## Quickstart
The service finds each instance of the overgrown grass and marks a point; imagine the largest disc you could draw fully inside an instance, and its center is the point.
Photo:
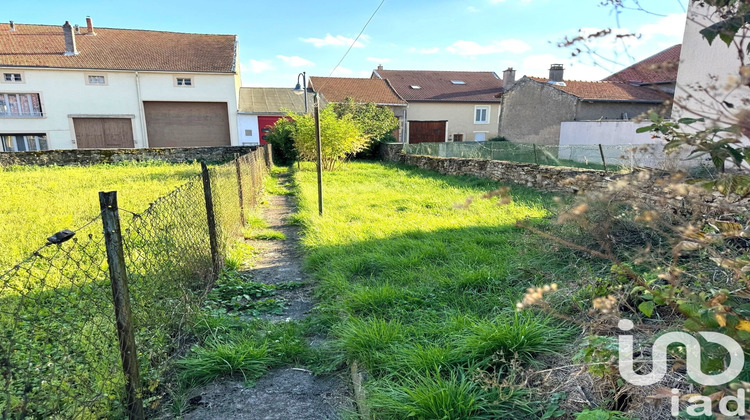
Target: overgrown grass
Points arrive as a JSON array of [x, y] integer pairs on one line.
[[413, 282], [36, 202]]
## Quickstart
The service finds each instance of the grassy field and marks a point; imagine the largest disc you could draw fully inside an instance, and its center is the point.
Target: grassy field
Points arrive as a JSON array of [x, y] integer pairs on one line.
[[420, 290], [36, 202]]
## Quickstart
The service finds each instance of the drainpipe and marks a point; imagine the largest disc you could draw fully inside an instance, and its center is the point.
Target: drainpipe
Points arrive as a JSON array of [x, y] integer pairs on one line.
[[142, 112]]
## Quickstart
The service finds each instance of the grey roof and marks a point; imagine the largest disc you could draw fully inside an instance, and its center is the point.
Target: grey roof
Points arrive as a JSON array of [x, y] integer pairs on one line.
[[273, 101]]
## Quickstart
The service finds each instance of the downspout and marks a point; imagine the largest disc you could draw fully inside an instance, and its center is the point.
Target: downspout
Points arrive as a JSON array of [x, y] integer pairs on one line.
[[141, 110]]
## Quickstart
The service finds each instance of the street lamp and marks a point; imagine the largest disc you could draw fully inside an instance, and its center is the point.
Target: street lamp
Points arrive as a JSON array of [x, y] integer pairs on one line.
[[299, 90]]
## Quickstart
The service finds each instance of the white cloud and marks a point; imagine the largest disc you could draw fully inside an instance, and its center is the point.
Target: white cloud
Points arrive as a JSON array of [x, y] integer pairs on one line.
[[257, 66], [342, 72], [672, 26], [472, 48], [423, 50], [295, 61], [338, 40], [378, 60], [538, 66], [472, 9]]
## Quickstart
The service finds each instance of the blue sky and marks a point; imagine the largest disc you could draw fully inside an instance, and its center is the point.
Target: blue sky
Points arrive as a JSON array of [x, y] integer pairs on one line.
[[280, 39]]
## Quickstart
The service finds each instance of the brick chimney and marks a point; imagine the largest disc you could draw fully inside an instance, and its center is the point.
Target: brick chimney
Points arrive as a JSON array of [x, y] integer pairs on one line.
[[380, 67], [12, 26], [509, 78], [556, 73], [90, 25], [70, 39]]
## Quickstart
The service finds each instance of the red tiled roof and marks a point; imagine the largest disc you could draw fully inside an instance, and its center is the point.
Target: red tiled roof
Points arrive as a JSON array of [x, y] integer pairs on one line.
[[659, 68], [436, 86], [338, 89], [117, 49], [608, 91]]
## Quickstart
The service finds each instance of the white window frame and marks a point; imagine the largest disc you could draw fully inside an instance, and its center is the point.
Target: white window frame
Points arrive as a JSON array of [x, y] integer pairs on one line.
[[88, 77], [183, 85], [486, 116], [27, 137], [485, 133], [5, 95], [14, 82]]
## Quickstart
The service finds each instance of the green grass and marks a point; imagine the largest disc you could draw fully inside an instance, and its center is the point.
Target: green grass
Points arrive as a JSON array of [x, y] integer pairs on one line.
[[36, 202], [263, 235], [411, 282]]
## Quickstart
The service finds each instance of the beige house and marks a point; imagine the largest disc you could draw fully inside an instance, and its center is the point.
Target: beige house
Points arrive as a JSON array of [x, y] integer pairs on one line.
[[66, 87], [447, 105]]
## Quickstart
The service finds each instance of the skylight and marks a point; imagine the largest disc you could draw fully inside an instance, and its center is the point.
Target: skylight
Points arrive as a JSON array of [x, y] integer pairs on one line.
[[415, 87], [458, 82]]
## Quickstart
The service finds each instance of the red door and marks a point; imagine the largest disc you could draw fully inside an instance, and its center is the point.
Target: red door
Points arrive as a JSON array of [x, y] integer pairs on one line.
[[265, 123]]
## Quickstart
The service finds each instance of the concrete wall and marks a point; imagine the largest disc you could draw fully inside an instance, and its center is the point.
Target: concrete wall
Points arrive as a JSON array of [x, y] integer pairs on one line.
[[98, 156], [460, 117], [700, 62], [593, 111], [532, 112], [64, 95]]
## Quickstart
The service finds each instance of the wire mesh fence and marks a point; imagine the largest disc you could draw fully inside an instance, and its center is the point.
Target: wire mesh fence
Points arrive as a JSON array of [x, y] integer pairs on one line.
[[61, 352], [594, 156]]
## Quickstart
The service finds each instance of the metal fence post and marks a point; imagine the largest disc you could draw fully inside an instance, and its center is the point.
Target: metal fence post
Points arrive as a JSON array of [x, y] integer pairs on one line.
[[239, 187], [604, 162], [536, 159], [123, 316], [213, 236]]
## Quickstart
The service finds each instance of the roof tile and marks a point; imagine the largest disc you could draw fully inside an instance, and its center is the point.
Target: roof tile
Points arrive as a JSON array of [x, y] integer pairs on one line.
[[338, 89], [659, 68], [436, 86], [275, 101], [608, 91]]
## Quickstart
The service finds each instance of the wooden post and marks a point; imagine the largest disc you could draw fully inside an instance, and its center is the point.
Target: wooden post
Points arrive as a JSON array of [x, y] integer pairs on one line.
[[536, 159], [604, 162], [253, 178], [123, 317], [213, 236], [239, 188]]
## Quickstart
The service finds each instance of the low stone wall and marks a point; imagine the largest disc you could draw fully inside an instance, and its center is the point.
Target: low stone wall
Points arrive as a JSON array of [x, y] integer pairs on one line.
[[389, 152], [98, 156]]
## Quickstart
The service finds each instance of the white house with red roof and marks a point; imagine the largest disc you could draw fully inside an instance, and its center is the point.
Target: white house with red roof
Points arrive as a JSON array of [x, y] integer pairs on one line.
[[70, 86], [447, 105]]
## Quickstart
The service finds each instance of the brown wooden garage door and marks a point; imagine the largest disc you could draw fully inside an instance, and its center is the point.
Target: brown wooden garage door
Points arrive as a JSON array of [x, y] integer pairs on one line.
[[426, 131], [187, 124], [103, 133]]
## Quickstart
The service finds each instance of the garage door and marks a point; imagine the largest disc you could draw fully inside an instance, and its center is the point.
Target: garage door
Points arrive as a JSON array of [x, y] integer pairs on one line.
[[103, 133], [426, 131], [187, 124]]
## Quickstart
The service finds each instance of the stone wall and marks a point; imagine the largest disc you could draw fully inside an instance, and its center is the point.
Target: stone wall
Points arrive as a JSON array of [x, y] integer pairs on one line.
[[389, 152], [99, 156]]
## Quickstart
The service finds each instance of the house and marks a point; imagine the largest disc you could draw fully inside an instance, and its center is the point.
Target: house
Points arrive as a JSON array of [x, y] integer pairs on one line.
[[66, 87], [534, 108], [447, 105], [658, 71], [260, 108], [377, 91]]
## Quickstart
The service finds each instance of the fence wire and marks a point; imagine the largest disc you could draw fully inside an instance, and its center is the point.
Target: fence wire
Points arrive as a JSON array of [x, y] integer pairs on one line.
[[615, 157], [59, 350]]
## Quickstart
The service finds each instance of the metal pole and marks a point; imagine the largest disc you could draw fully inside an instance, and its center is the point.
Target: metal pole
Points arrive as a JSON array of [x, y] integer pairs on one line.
[[604, 162], [121, 297], [304, 86], [536, 159], [213, 236], [319, 147], [239, 188]]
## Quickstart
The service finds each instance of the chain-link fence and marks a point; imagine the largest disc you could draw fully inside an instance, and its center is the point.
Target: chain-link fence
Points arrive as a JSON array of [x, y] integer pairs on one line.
[[73, 344], [610, 157]]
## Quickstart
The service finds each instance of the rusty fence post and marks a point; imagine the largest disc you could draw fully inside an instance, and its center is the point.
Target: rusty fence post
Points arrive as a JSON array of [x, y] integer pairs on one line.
[[604, 162], [121, 298], [213, 236], [238, 167]]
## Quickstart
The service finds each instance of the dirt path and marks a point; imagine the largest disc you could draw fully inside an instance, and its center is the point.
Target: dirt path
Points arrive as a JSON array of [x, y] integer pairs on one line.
[[287, 393]]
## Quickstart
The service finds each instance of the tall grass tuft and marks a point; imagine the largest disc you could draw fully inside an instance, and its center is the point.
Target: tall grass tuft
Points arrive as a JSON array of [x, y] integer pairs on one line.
[[224, 358]]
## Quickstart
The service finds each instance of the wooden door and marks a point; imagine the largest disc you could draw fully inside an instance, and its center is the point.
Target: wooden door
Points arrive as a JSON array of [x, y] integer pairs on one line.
[[427, 131], [187, 124], [103, 133]]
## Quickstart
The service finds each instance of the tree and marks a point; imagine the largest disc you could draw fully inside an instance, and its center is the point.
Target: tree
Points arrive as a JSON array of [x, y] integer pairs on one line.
[[340, 137], [281, 140], [374, 121]]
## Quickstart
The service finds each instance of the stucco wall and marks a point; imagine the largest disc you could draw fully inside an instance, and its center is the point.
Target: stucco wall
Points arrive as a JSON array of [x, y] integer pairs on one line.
[[698, 63], [64, 94], [460, 117], [248, 122], [610, 110], [532, 113]]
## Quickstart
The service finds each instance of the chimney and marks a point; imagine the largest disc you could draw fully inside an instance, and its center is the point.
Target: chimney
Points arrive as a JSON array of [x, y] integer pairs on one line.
[[90, 25], [12, 26], [556, 73], [78, 29], [509, 78], [70, 39], [380, 67]]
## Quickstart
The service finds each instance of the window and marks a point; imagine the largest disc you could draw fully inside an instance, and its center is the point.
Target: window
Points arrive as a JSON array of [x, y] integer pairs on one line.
[[184, 81], [480, 136], [96, 79], [20, 105], [458, 137], [248, 133], [415, 87], [13, 77], [481, 115], [458, 82], [23, 142]]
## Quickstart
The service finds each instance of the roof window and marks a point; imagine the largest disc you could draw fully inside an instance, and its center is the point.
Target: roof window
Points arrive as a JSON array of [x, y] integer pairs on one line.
[[415, 87], [458, 82]]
